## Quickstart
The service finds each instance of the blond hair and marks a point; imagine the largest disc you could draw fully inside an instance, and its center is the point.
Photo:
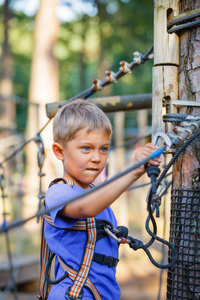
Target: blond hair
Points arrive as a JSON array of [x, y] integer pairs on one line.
[[76, 115]]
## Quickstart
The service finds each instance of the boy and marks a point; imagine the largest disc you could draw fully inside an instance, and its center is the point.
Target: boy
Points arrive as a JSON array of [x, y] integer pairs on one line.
[[82, 135]]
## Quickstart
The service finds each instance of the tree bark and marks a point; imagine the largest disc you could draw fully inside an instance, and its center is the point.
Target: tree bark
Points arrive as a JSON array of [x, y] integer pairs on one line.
[[183, 277]]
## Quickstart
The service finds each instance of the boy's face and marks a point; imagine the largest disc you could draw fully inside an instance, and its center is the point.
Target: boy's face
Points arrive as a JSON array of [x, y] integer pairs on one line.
[[85, 156]]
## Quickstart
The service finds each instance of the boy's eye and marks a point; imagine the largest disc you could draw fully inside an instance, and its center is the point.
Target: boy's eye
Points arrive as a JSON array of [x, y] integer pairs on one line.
[[104, 149], [86, 148]]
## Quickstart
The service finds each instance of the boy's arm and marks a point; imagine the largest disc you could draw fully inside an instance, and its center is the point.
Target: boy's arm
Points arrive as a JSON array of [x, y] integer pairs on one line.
[[94, 203]]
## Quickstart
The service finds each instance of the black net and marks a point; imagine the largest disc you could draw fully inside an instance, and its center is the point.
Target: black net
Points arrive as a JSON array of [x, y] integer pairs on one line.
[[184, 277]]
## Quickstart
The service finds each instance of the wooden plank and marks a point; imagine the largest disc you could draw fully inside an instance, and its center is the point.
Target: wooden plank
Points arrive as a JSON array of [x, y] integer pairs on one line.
[[26, 269], [166, 46], [109, 104]]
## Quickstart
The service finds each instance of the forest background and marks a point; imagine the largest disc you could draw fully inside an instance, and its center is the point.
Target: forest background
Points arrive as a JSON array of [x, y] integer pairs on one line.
[[52, 52], [101, 34]]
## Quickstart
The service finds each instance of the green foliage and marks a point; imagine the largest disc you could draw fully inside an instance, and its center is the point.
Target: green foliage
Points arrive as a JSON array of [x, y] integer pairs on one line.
[[86, 48]]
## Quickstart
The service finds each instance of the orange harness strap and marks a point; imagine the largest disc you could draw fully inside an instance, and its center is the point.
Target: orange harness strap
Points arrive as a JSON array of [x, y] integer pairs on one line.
[[80, 278]]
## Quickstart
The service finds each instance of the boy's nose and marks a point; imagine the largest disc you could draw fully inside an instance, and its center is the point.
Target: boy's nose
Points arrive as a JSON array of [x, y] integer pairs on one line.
[[95, 157]]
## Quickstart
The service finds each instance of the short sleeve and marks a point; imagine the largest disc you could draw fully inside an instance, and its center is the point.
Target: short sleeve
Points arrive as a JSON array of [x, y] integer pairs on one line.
[[58, 195]]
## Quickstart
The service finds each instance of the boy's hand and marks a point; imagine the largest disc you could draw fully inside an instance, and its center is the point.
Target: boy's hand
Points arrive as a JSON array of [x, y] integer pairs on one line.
[[141, 153]]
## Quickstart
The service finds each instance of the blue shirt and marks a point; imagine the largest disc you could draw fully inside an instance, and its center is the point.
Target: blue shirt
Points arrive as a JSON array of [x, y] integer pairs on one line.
[[70, 245]]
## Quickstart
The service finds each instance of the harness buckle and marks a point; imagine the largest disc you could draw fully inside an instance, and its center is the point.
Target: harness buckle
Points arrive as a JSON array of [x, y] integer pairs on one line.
[[110, 261], [68, 297]]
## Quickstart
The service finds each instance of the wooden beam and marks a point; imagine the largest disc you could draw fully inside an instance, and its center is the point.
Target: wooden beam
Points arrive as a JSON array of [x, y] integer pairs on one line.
[[166, 61], [110, 104], [27, 268], [166, 45]]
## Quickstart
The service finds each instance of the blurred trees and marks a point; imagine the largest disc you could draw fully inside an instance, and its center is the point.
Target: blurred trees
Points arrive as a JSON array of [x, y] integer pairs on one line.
[[7, 108], [44, 87], [100, 36]]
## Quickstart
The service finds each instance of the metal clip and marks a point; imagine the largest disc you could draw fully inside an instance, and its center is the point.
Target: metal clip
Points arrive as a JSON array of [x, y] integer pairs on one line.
[[125, 67], [180, 130], [138, 58], [188, 124], [175, 139], [165, 137], [111, 76], [112, 235], [96, 84]]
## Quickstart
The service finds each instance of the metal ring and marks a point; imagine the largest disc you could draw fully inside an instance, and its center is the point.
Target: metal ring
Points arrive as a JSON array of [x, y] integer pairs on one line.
[[190, 134], [196, 127], [112, 235]]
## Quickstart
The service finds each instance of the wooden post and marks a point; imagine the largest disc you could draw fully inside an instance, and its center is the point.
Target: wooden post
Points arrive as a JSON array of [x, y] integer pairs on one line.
[[166, 61], [183, 277]]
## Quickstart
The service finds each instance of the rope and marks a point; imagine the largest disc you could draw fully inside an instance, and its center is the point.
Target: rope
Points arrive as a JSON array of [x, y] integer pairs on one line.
[[151, 207], [175, 117], [179, 28], [113, 77], [163, 247], [184, 22], [153, 155]]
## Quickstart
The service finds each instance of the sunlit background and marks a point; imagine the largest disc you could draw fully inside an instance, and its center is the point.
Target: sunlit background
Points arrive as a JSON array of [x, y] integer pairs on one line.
[[51, 50]]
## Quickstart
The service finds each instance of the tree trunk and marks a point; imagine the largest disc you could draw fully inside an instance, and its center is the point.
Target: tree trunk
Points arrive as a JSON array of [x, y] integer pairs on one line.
[[104, 63], [184, 276], [44, 87], [7, 108]]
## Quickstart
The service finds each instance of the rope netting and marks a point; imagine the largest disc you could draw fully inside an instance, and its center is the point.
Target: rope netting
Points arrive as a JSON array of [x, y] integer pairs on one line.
[[184, 276]]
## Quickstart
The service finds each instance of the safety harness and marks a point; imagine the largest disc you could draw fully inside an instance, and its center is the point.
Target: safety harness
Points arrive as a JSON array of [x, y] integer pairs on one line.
[[95, 229]]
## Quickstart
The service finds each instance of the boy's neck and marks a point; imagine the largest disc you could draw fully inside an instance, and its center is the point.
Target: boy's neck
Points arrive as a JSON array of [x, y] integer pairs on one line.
[[77, 182]]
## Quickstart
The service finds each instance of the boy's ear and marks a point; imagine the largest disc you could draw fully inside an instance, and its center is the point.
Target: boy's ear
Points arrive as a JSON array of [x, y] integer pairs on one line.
[[58, 150]]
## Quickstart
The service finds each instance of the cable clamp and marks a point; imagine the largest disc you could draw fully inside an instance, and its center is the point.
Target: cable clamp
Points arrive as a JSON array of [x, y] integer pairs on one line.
[[111, 76], [157, 200], [96, 84], [175, 139], [138, 58], [125, 67]]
